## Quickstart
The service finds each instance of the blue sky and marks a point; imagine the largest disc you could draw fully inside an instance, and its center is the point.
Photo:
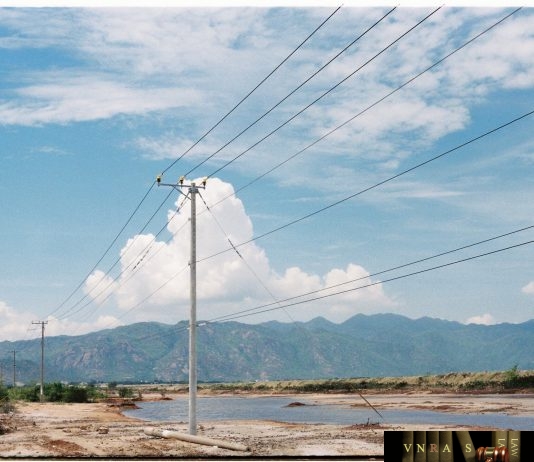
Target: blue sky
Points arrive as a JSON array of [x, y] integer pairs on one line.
[[95, 103]]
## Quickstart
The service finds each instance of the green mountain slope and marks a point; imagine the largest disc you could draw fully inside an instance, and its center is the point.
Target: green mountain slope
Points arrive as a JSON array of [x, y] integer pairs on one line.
[[377, 345]]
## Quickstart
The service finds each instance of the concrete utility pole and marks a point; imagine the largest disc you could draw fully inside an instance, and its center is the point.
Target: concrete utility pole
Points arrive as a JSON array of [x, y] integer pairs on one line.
[[192, 192], [41, 395]]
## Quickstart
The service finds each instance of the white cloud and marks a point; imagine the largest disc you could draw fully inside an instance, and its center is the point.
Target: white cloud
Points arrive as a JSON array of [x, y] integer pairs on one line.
[[64, 99], [528, 289], [420, 190], [99, 286], [228, 282], [17, 325], [171, 146], [14, 324], [139, 61], [146, 59], [67, 327], [485, 319]]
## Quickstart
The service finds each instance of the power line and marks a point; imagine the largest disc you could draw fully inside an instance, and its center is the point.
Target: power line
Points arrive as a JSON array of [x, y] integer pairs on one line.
[[79, 286], [255, 310], [265, 307], [137, 260], [396, 278], [351, 119], [378, 273], [324, 94], [254, 89], [324, 66], [68, 311], [105, 252], [376, 185], [298, 220], [472, 140], [143, 260], [148, 297]]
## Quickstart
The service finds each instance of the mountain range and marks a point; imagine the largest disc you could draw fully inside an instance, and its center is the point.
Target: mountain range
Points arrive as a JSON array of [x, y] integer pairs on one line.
[[363, 346]]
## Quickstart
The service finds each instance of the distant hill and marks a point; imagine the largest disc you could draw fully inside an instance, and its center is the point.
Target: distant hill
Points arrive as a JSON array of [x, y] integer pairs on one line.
[[362, 346]]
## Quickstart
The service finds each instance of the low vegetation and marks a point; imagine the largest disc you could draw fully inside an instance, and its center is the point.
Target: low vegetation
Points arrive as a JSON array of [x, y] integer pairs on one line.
[[52, 392], [511, 380]]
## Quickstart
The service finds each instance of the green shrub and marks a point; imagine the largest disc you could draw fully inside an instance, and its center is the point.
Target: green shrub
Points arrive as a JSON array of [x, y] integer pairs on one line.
[[511, 376], [125, 392], [6, 406], [54, 392], [4, 394], [75, 394], [27, 393]]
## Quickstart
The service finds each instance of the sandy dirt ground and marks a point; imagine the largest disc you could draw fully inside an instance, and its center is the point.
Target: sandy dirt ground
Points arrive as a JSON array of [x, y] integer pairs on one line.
[[101, 430]]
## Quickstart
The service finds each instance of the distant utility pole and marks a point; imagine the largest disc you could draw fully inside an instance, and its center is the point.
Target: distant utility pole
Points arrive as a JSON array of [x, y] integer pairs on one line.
[[41, 395], [192, 191], [14, 368]]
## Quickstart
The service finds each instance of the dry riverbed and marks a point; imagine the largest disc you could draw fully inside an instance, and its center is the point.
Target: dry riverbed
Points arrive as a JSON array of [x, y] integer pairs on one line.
[[101, 430]]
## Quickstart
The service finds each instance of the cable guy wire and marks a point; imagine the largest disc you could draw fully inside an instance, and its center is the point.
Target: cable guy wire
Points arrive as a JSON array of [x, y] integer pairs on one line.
[[251, 270]]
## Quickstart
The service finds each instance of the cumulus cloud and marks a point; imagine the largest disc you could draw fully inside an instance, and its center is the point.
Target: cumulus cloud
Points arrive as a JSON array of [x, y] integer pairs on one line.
[[155, 278], [99, 286], [528, 289], [485, 319]]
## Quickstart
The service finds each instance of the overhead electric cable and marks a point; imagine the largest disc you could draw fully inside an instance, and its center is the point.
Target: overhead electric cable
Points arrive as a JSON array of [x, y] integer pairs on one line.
[[137, 261], [256, 276], [272, 132], [351, 119], [253, 311], [105, 252], [253, 90], [378, 273], [324, 66], [426, 270], [68, 311], [406, 84], [376, 185], [148, 297], [79, 286]]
